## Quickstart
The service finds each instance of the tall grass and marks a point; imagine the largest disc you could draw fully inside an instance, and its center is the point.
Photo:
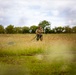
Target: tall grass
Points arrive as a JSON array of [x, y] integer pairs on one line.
[[22, 45], [55, 55]]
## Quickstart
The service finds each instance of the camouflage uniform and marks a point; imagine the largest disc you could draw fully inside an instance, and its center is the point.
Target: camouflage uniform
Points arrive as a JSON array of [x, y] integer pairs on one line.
[[39, 32]]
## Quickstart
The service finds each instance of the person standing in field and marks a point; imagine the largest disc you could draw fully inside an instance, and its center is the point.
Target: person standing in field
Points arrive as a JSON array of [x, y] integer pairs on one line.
[[39, 33]]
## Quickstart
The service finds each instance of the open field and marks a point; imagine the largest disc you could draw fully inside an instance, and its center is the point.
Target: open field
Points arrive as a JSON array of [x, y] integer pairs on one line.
[[55, 55]]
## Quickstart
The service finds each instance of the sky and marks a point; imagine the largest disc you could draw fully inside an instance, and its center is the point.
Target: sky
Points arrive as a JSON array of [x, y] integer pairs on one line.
[[32, 12]]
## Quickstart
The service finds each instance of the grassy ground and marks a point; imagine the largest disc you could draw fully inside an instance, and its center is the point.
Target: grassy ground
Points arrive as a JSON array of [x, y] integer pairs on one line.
[[55, 55]]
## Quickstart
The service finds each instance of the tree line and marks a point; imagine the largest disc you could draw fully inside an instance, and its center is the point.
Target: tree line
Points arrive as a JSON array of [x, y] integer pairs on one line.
[[10, 29]]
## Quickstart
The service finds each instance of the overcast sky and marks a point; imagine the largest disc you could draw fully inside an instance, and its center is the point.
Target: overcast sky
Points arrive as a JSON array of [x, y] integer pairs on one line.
[[31, 12]]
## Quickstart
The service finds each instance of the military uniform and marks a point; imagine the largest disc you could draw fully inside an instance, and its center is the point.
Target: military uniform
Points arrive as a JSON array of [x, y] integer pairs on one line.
[[39, 32]]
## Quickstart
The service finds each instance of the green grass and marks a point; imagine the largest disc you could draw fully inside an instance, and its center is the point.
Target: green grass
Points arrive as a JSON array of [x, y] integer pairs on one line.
[[55, 55]]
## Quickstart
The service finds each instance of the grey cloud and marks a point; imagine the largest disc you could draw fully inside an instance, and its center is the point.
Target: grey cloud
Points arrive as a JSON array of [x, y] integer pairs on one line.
[[70, 16], [15, 11]]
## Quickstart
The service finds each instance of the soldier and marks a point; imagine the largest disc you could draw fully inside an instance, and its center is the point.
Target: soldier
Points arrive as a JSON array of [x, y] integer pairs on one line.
[[39, 32]]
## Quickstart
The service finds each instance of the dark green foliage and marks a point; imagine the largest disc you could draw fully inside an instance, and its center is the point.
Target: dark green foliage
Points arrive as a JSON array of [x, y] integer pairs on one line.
[[47, 30], [67, 29], [44, 23], [58, 29], [1, 29], [18, 30], [25, 29], [33, 28], [9, 29], [74, 29]]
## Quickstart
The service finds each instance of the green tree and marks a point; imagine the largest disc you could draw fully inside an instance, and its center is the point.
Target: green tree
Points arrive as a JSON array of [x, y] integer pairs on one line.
[[58, 29], [1, 29], [9, 29], [33, 28], [25, 29], [74, 29], [44, 23], [47, 30], [67, 29], [17, 29]]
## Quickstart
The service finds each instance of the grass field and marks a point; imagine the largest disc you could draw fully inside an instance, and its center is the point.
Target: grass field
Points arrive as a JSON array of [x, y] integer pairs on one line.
[[55, 55]]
